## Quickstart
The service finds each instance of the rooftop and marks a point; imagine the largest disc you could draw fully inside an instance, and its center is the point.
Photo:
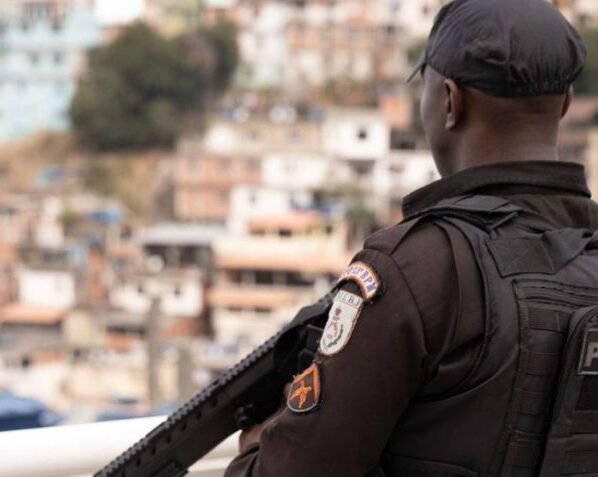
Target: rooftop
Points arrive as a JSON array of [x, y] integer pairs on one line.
[[17, 313]]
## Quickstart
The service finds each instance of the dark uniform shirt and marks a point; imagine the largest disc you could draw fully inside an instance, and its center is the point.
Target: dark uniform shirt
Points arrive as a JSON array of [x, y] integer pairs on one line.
[[420, 338]]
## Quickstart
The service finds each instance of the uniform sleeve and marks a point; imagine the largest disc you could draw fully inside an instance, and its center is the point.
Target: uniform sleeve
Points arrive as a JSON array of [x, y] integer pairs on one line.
[[365, 387]]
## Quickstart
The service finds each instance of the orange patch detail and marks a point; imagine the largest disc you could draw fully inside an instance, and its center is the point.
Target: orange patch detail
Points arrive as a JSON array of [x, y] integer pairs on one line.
[[304, 394]]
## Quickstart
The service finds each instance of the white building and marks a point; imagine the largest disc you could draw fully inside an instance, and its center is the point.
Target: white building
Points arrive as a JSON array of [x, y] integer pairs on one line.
[[180, 293], [356, 135], [248, 202], [47, 288], [117, 12], [296, 171], [358, 141], [262, 43], [408, 171]]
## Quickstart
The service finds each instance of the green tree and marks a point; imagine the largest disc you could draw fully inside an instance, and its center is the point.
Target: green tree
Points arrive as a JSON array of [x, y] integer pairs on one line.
[[215, 48], [587, 84], [136, 92], [222, 38]]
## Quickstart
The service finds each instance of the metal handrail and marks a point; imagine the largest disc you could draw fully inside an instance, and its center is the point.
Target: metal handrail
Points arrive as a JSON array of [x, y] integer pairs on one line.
[[80, 450]]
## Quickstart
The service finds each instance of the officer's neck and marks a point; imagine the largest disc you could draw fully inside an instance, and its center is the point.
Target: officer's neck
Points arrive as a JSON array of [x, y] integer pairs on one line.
[[527, 144]]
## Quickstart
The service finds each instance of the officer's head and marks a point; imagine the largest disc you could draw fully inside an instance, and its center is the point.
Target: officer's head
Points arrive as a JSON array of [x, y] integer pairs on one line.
[[496, 72]]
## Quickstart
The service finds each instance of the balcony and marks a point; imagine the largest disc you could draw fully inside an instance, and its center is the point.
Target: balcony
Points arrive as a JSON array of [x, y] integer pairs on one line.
[[81, 450]]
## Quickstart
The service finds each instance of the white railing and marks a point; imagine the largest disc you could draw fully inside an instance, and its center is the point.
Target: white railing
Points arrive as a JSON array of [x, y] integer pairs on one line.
[[81, 450]]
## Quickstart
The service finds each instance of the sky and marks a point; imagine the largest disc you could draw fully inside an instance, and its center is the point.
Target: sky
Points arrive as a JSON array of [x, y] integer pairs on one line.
[[118, 11]]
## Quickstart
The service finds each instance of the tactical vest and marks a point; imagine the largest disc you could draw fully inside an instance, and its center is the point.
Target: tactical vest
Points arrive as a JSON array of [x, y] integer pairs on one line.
[[529, 407]]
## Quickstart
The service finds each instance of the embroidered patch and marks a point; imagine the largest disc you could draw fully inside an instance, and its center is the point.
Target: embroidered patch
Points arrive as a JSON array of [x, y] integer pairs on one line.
[[364, 276], [588, 360], [304, 394], [341, 322]]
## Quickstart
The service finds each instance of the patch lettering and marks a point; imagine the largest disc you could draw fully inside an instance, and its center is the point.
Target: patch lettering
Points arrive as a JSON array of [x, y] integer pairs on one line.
[[364, 276], [342, 318], [305, 391], [588, 360]]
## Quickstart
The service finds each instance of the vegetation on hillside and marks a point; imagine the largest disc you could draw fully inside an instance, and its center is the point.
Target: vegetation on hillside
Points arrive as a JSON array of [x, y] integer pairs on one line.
[[140, 89], [587, 84]]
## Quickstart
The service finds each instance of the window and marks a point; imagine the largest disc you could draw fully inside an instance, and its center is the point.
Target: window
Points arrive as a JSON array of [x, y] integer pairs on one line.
[[34, 58], [140, 289], [263, 277], [177, 291], [362, 169], [58, 57], [253, 165], [362, 134]]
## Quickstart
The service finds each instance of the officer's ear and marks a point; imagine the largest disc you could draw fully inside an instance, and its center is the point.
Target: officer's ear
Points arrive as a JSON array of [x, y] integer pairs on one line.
[[453, 104], [567, 102]]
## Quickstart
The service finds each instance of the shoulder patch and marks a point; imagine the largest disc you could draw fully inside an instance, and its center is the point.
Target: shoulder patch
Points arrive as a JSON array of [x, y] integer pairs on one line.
[[305, 391], [365, 276], [342, 318]]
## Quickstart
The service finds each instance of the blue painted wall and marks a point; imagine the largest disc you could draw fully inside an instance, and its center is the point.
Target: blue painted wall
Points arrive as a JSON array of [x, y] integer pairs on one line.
[[42, 52]]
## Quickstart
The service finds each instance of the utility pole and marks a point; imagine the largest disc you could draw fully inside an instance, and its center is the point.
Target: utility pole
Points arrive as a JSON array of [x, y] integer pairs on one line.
[[186, 389], [153, 352]]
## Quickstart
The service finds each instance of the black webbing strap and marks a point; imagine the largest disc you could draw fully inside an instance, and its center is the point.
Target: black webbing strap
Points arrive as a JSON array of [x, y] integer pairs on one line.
[[534, 404], [548, 320], [542, 364], [526, 455]]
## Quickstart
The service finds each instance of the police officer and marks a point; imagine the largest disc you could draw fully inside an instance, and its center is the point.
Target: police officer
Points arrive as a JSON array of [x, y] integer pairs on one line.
[[453, 346]]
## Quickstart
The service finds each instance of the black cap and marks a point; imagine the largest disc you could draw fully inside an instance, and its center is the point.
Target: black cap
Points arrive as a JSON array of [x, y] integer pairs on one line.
[[505, 48]]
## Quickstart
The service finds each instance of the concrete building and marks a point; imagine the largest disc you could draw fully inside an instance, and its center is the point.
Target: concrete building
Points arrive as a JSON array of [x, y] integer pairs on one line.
[[264, 51], [262, 278], [208, 169], [47, 288], [358, 141], [248, 202], [180, 293], [43, 45], [347, 40], [116, 12], [178, 245]]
